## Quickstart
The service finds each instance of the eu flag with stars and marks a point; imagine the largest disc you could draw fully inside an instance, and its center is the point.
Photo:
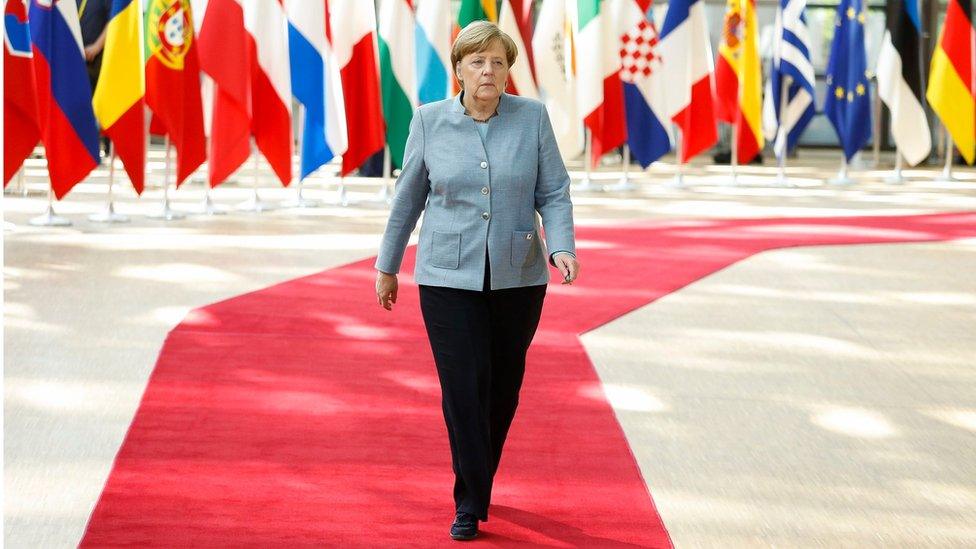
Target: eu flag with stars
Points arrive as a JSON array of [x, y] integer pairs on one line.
[[848, 104]]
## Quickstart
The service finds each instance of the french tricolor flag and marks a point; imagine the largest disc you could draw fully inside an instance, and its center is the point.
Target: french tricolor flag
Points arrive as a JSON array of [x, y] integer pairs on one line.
[[316, 84], [687, 57], [64, 99]]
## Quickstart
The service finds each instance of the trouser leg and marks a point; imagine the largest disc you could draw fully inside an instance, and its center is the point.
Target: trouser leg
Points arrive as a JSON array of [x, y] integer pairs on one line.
[[515, 316], [458, 327]]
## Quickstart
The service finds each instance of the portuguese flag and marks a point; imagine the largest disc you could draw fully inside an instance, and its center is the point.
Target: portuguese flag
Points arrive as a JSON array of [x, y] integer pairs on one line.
[[173, 82]]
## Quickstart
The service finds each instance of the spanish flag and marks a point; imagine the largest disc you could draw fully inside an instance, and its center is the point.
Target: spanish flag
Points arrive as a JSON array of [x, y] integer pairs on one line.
[[951, 88], [119, 96], [738, 78]]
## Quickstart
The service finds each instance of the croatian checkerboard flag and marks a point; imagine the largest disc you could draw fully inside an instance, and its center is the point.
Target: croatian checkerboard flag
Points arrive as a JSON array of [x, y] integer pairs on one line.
[[648, 128]]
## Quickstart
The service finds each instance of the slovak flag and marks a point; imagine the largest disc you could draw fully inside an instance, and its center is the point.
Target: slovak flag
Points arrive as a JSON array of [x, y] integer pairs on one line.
[[688, 67], [648, 127], [20, 131], [315, 83], [64, 99]]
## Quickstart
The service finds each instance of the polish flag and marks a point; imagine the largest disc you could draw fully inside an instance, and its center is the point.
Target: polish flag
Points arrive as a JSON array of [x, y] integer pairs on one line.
[[224, 57], [355, 46], [267, 26]]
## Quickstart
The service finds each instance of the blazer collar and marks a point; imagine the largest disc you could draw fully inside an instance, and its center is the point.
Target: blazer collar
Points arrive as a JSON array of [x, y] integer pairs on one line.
[[504, 103]]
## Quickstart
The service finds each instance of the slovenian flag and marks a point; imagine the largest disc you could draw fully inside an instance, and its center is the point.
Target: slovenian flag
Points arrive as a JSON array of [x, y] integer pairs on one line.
[[119, 99], [64, 100], [648, 136], [687, 58], [20, 131], [433, 45], [315, 83], [900, 80], [398, 73], [848, 104]]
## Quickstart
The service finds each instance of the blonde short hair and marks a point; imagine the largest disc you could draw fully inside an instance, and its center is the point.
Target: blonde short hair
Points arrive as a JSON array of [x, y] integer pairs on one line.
[[479, 36]]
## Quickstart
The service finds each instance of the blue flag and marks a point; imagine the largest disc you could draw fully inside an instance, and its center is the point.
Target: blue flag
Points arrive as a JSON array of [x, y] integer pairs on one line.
[[848, 104]]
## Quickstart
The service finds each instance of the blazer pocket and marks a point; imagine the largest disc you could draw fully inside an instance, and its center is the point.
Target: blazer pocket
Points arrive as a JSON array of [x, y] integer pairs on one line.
[[445, 250], [525, 248]]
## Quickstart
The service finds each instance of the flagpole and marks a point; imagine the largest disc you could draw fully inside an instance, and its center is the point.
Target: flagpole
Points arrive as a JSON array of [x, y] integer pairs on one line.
[[384, 195], [678, 181], [343, 198], [49, 218], [109, 215], [299, 201], [947, 171], [255, 204], [842, 177], [166, 212], [587, 183], [781, 135], [734, 149], [208, 206], [625, 184], [896, 177]]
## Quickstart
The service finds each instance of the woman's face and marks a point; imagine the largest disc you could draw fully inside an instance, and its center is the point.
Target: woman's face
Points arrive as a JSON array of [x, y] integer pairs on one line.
[[484, 74]]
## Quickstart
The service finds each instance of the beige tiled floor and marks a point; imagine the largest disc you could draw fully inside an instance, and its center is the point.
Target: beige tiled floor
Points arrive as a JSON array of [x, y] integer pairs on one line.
[[806, 397]]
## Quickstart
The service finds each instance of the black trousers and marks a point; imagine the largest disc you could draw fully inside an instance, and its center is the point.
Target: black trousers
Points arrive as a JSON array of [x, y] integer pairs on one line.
[[479, 341]]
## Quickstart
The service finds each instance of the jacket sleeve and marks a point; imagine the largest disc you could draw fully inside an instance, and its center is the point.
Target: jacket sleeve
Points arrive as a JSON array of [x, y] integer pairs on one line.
[[412, 187], [552, 191]]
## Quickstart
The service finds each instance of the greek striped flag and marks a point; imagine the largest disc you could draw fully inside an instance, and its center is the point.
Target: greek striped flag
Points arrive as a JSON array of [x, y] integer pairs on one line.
[[788, 105]]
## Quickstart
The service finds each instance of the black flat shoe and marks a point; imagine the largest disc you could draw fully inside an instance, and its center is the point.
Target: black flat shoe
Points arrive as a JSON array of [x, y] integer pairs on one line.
[[465, 527]]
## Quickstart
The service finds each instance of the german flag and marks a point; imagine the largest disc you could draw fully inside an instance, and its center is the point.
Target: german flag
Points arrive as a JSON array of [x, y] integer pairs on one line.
[[952, 90]]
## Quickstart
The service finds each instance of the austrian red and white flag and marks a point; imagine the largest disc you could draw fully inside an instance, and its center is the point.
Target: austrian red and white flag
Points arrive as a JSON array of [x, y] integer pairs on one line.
[[355, 47], [513, 22], [267, 26], [224, 56]]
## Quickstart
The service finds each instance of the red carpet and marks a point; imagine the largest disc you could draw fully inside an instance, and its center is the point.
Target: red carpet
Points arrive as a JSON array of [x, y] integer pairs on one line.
[[305, 415]]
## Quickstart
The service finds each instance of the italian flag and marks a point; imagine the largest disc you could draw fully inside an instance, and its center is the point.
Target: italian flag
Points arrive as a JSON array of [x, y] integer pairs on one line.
[[601, 93], [398, 81]]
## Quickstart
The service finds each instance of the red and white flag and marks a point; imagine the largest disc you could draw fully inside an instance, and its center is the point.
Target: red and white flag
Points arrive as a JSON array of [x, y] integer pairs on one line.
[[267, 26], [513, 22], [20, 130], [224, 47], [355, 46]]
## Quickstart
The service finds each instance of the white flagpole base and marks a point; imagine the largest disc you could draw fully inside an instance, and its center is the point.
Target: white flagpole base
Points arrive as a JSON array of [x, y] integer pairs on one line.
[[625, 184], [895, 178], [167, 213], [50, 219], [677, 182], [842, 178], [343, 196], [299, 201], [109, 215], [255, 204], [208, 206], [587, 184], [946, 176]]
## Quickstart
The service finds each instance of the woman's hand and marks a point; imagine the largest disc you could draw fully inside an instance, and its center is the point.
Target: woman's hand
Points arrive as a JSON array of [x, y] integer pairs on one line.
[[568, 266], [386, 289]]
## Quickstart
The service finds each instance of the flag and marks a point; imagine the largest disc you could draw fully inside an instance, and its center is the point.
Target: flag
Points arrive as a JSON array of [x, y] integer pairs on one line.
[[848, 105], [900, 79], [398, 73], [648, 128], [64, 101], [738, 78], [354, 33], [601, 94], [173, 82], [687, 57], [786, 116], [20, 131], [951, 88], [476, 10], [521, 79], [552, 45], [267, 25], [224, 56], [315, 83], [119, 99], [434, 71]]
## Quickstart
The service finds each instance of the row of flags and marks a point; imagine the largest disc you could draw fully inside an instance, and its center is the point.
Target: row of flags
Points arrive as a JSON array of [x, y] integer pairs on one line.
[[359, 73]]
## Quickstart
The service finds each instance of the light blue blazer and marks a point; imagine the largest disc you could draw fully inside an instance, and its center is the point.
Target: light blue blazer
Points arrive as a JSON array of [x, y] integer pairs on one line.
[[480, 195]]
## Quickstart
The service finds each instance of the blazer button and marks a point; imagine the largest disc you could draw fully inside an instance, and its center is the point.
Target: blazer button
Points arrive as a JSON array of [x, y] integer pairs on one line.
[[484, 190], [485, 216], [484, 164]]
